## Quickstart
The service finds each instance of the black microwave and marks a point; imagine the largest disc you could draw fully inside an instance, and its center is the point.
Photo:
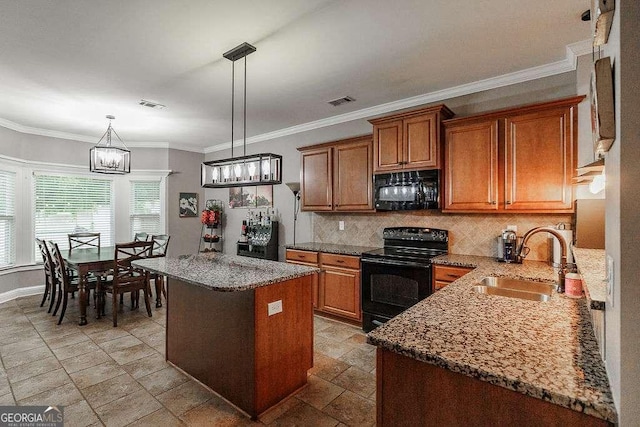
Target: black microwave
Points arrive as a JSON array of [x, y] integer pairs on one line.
[[400, 191]]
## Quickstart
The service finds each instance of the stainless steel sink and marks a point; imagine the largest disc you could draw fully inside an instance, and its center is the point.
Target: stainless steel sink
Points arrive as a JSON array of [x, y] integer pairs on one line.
[[515, 288], [518, 285], [511, 293]]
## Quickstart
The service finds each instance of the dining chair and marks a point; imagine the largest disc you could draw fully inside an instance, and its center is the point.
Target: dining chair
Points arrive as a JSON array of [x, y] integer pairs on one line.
[[66, 283], [84, 241], [126, 278], [49, 276], [141, 237], [160, 246]]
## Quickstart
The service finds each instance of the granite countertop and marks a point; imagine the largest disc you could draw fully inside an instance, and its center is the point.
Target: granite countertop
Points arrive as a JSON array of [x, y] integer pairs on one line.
[[227, 273], [331, 248], [592, 266], [545, 350]]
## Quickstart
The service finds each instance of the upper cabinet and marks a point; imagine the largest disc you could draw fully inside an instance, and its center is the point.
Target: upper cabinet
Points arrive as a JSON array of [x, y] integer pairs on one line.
[[409, 141], [337, 176], [515, 160]]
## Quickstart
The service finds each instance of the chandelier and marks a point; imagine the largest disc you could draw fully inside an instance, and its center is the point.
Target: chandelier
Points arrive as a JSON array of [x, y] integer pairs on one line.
[[105, 157], [257, 169]]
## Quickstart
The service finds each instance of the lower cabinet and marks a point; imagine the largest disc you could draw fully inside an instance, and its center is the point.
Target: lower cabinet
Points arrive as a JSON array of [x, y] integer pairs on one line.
[[337, 291], [445, 274]]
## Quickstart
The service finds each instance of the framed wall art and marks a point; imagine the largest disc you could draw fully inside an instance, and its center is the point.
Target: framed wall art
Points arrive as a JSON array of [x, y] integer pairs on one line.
[[188, 205], [251, 197]]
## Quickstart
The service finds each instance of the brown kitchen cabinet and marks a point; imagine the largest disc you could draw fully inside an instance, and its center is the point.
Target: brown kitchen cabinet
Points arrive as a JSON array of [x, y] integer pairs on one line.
[[445, 274], [310, 259], [513, 160], [409, 141], [337, 176], [337, 290]]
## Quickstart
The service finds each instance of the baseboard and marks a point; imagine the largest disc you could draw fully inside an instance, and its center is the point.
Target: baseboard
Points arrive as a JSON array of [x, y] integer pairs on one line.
[[21, 292]]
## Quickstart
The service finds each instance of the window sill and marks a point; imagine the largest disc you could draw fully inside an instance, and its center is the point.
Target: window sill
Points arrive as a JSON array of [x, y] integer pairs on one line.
[[19, 268]]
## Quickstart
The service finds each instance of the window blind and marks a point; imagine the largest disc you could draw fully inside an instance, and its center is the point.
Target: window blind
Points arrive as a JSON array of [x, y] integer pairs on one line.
[[68, 204], [7, 218], [144, 205]]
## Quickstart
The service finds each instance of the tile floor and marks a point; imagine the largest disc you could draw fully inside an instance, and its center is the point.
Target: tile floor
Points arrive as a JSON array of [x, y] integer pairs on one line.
[[118, 376]]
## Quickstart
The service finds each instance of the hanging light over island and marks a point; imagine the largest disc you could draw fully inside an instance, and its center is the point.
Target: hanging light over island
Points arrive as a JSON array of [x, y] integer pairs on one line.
[[257, 169]]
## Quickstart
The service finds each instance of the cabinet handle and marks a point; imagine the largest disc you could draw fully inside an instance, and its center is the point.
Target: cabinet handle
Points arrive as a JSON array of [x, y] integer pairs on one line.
[[301, 256], [493, 202], [455, 276], [340, 261], [508, 202]]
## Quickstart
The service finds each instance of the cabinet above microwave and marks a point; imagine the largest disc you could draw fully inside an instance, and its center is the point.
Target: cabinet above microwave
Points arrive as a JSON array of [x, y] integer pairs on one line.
[[409, 141]]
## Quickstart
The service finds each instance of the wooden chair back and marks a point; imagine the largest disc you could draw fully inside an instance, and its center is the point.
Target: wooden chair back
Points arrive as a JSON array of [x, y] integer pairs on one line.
[[141, 237], [125, 254], [46, 258], [84, 241], [161, 243], [59, 268]]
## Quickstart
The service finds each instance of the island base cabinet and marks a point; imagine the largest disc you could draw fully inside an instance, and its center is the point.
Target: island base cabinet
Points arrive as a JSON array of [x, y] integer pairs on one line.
[[229, 342], [414, 393]]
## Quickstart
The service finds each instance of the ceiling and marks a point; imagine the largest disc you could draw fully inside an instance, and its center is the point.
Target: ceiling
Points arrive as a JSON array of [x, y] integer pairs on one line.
[[65, 64]]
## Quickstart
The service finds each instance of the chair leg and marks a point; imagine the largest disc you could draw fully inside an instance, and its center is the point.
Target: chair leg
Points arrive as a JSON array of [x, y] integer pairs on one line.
[[164, 290], [61, 293], [47, 290], [53, 297], [115, 308], [159, 283], [147, 302], [64, 307]]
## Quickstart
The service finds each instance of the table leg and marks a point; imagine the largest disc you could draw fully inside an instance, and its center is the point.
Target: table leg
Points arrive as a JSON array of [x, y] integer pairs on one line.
[[82, 296], [159, 281]]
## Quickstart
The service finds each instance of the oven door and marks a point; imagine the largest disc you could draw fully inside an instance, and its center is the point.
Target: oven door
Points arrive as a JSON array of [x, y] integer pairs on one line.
[[388, 287]]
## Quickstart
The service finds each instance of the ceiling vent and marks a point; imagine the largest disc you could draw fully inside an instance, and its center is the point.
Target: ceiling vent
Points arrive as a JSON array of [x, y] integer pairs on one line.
[[151, 104], [340, 101]]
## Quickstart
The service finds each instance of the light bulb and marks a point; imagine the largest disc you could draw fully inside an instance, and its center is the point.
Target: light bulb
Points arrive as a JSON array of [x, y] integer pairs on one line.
[[226, 172], [216, 174], [237, 169], [252, 169], [266, 168]]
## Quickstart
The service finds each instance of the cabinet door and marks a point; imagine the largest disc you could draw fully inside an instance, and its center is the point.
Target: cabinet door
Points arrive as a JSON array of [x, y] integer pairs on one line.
[[471, 167], [420, 142], [316, 180], [340, 292], [387, 146], [539, 150], [352, 176], [310, 259]]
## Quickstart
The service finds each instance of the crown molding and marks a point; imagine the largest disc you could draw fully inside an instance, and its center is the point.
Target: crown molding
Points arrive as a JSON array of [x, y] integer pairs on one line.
[[573, 51], [559, 67]]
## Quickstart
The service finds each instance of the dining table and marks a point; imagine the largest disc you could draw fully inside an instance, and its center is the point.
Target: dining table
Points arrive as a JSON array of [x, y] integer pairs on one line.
[[85, 261], [95, 260]]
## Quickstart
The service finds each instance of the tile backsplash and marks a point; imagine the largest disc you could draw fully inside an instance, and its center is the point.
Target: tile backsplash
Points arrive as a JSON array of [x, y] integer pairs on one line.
[[469, 234]]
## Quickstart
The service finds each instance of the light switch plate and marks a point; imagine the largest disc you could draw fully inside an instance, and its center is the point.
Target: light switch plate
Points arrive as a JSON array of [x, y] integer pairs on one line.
[[274, 307], [610, 280], [341, 225]]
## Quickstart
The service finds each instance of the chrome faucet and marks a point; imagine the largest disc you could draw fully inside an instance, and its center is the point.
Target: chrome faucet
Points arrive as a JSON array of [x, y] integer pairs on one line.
[[522, 251]]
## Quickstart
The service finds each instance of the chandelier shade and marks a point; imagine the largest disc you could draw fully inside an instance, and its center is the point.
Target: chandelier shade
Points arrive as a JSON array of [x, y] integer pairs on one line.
[[105, 157], [257, 169]]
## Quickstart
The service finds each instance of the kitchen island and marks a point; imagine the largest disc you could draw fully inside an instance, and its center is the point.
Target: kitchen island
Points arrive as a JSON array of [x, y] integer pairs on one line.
[[462, 358], [241, 326]]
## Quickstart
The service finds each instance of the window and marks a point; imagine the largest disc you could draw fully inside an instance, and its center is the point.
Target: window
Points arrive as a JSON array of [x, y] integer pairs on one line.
[[7, 218], [144, 207], [66, 204]]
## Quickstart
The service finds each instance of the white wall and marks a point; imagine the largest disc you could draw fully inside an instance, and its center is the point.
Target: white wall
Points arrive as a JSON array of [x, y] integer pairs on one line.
[[622, 225]]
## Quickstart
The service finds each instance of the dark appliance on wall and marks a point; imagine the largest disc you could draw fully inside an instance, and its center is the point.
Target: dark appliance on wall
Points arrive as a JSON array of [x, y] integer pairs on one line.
[[399, 275], [262, 242], [401, 191]]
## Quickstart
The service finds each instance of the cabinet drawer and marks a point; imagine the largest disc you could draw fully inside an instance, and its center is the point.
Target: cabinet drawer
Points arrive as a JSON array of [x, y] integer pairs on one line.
[[449, 274], [303, 256], [343, 261]]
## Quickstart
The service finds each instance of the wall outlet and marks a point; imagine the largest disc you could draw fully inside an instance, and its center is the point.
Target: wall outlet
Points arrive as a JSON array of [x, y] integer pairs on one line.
[[513, 228], [610, 280], [341, 225], [274, 307]]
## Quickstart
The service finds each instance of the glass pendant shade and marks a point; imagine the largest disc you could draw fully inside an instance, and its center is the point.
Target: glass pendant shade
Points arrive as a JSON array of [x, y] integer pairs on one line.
[[105, 157]]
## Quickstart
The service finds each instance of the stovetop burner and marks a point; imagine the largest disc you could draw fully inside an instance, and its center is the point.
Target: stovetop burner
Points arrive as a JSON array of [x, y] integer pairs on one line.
[[411, 243]]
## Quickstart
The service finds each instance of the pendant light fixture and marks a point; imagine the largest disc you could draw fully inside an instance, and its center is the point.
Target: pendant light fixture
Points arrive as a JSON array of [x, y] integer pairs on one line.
[[242, 171], [108, 158]]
